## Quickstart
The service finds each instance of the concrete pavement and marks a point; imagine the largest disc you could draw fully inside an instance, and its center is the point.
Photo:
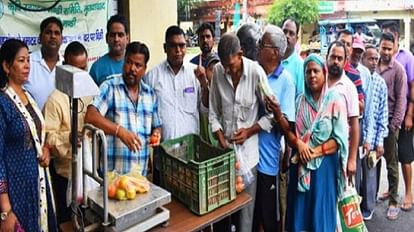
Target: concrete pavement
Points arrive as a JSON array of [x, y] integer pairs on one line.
[[379, 222]]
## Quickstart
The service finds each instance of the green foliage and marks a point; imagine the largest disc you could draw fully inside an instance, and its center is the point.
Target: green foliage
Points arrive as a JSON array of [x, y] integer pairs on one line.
[[305, 11], [184, 7]]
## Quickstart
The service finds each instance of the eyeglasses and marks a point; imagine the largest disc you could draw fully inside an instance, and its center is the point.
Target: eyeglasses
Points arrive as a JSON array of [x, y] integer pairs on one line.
[[262, 45], [175, 45]]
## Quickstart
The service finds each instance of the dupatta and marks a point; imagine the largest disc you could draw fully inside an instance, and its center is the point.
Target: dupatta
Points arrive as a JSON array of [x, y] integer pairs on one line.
[[319, 121], [38, 141]]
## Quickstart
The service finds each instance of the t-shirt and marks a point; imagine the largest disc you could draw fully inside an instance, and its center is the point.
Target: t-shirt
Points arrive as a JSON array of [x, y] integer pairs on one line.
[[105, 68], [270, 147], [347, 88]]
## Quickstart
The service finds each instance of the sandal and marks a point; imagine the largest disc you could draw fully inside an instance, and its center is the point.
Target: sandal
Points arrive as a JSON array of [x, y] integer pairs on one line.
[[392, 213], [407, 207]]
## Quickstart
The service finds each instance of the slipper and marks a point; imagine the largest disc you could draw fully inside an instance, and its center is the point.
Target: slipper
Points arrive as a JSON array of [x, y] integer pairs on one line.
[[392, 213], [407, 207], [384, 196]]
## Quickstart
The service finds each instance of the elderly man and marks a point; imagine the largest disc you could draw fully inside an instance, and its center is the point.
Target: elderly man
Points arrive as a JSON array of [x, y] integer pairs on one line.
[[248, 35], [291, 60], [233, 113], [396, 80], [405, 139], [127, 111], [375, 129], [117, 37], [272, 47], [43, 62]]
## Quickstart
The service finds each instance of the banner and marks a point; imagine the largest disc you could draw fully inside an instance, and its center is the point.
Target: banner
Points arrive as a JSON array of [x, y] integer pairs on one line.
[[83, 21]]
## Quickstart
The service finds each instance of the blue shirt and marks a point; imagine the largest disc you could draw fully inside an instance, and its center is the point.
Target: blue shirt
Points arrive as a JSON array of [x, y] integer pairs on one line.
[[283, 88], [375, 120], [114, 103], [105, 68], [294, 65]]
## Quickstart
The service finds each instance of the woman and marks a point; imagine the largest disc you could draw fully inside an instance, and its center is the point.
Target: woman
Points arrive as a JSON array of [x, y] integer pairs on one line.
[[317, 171], [25, 193]]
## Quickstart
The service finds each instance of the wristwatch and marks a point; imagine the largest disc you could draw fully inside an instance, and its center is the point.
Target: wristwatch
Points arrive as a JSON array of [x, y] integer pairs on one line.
[[3, 215]]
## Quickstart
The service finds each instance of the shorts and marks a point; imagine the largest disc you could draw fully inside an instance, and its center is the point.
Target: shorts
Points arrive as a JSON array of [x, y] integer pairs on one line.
[[405, 146]]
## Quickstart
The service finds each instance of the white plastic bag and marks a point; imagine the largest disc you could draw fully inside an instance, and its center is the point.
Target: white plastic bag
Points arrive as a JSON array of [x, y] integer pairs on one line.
[[244, 175]]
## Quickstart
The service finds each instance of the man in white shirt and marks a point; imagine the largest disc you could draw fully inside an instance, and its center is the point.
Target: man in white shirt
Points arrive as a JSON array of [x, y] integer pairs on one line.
[[181, 95], [233, 112], [41, 81]]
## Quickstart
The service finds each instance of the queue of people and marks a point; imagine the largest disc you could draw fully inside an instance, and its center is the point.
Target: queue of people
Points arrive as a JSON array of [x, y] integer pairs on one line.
[[298, 124]]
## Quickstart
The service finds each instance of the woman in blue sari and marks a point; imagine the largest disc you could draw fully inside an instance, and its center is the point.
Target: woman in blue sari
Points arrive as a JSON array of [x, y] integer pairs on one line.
[[26, 201], [317, 170]]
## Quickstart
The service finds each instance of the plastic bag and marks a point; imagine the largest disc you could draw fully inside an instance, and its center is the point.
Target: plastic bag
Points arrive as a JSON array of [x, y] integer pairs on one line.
[[244, 175], [90, 183], [350, 216], [79, 182]]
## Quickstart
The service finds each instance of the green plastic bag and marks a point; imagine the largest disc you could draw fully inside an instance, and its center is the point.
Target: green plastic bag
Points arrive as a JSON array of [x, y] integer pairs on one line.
[[349, 211]]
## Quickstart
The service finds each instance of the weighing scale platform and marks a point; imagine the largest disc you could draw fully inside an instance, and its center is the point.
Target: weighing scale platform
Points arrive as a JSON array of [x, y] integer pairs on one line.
[[140, 214]]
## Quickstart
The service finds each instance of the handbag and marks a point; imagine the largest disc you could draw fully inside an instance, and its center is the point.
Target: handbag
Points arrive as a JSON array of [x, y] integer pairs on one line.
[[349, 211]]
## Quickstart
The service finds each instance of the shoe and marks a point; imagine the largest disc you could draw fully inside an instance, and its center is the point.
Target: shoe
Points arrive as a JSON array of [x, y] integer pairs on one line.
[[367, 215], [392, 213]]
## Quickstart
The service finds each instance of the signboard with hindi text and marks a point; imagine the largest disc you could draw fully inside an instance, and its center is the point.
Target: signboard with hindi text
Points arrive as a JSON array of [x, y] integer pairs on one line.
[[83, 21]]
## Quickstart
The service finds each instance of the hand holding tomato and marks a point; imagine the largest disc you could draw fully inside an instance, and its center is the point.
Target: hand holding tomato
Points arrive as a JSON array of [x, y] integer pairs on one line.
[[155, 138]]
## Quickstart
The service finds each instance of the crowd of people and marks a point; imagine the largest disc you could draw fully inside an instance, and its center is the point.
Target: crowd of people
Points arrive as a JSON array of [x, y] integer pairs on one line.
[[305, 128]]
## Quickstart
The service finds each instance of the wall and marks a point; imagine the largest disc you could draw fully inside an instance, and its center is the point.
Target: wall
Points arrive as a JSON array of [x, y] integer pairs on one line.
[[148, 22]]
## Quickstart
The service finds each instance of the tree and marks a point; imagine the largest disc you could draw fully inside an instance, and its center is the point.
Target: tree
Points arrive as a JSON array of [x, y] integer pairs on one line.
[[305, 11], [183, 9]]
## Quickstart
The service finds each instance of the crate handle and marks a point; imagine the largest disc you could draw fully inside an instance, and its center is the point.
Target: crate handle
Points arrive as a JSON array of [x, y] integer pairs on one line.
[[218, 164]]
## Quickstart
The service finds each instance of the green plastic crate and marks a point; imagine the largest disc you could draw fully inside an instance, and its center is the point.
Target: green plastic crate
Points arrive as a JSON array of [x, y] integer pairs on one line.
[[197, 174]]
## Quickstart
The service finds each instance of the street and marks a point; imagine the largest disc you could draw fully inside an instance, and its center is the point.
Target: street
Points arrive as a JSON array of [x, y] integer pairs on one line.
[[379, 222]]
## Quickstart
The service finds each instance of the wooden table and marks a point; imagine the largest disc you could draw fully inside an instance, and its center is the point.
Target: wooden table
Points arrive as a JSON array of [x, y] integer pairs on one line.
[[182, 219]]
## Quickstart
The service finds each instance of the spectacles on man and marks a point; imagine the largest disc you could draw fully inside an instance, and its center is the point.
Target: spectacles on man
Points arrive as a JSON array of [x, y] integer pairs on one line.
[[175, 45], [262, 45]]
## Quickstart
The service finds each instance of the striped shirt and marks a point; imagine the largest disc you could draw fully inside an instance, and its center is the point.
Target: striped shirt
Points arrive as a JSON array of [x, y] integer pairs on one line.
[[114, 103], [354, 76], [375, 120]]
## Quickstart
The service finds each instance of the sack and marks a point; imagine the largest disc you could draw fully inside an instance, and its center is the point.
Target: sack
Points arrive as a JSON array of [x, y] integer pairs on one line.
[[349, 211]]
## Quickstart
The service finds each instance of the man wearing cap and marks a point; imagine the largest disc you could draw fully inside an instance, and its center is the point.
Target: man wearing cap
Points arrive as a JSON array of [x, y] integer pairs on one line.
[[357, 50]]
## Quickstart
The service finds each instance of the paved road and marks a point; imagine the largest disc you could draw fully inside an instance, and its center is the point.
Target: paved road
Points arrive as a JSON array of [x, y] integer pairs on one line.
[[379, 222]]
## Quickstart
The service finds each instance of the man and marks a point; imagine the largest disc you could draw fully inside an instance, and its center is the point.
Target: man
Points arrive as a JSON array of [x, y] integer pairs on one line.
[[405, 140], [336, 59], [206, 42], [41, 81], [58, 129], [127, 111], [291, 60], [117, 37], [181, 95], [346, 38], [272, 47], [396, 80], [233, 113], [248, 35], [375, 129]]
